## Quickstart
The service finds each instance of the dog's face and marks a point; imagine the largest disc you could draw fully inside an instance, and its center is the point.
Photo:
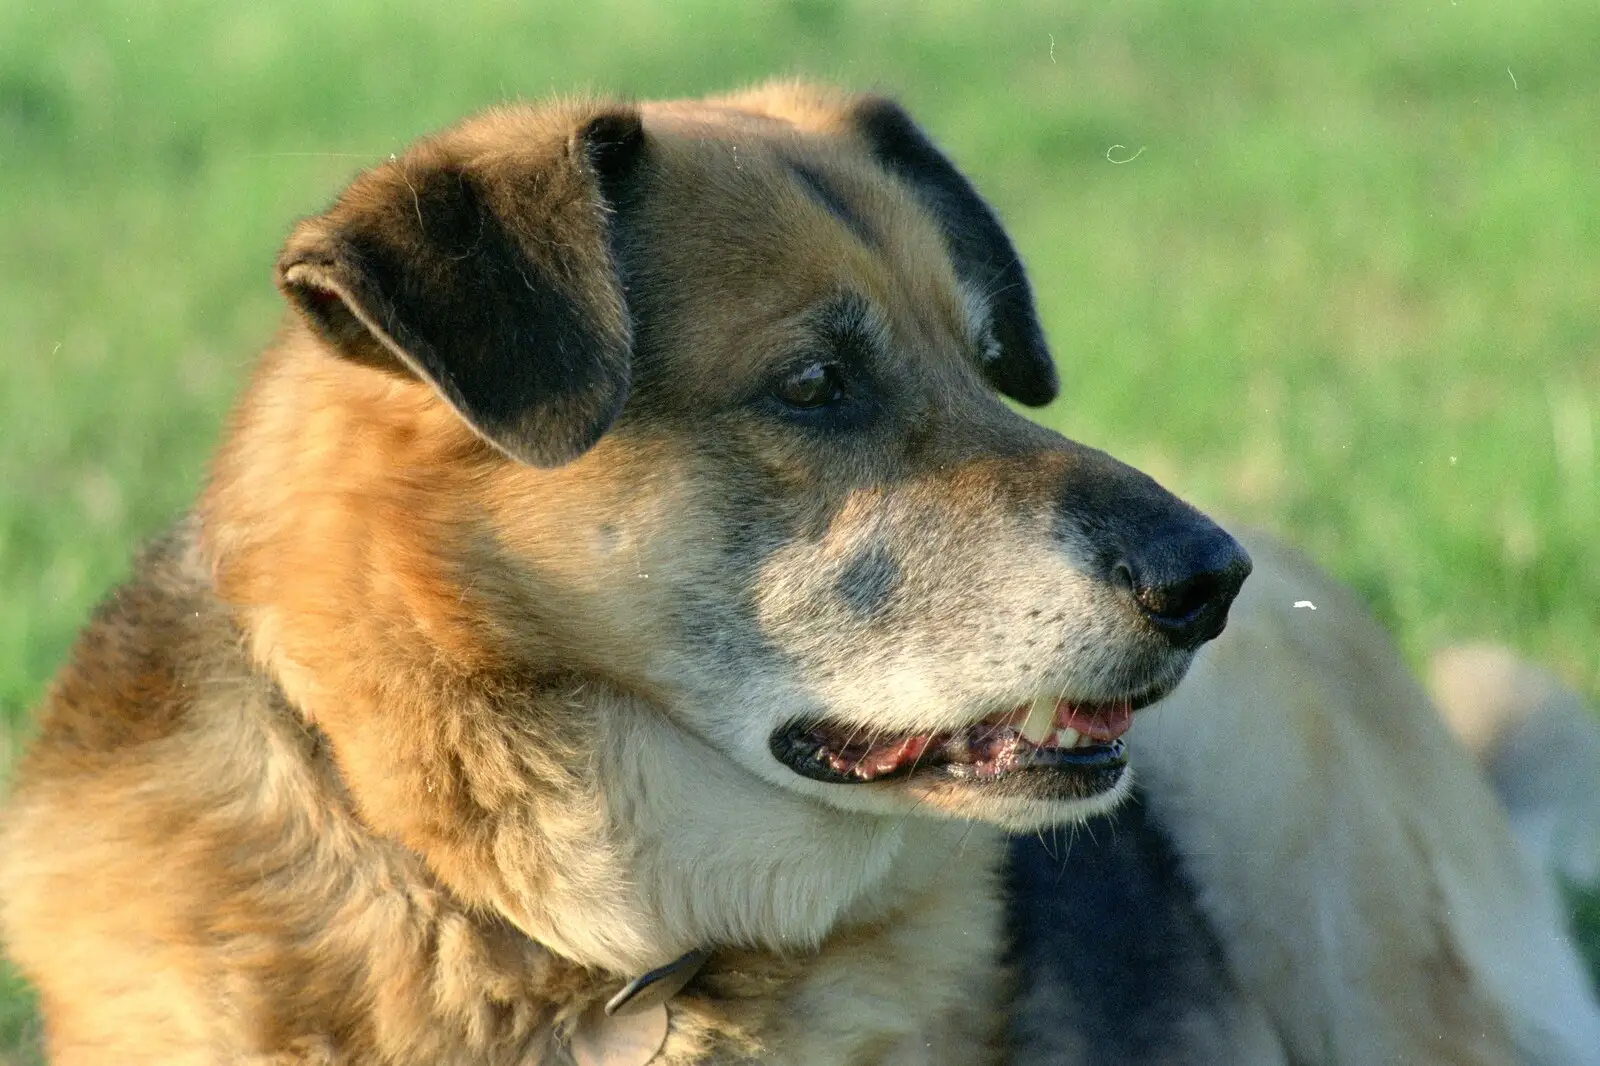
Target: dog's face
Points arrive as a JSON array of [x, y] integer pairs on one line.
[[741, 364]]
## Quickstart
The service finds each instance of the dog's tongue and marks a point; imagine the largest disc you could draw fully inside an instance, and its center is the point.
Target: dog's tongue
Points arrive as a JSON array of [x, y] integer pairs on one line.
[[1102, 721]]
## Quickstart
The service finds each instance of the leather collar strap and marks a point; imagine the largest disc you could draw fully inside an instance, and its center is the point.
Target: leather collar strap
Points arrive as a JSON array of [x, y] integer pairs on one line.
[[631, 1028], [659, 985]]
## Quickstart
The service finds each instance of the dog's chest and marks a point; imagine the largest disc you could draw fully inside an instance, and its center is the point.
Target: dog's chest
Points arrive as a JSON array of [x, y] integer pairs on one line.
[[916, 979]]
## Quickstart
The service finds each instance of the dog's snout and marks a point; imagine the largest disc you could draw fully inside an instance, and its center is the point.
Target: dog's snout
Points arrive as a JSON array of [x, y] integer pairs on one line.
[[1184, 581], [1173, 567]]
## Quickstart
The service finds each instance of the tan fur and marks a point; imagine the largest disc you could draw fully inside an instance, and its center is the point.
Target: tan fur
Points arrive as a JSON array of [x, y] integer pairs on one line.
[[437, 722], [334, 779], [238, 904]]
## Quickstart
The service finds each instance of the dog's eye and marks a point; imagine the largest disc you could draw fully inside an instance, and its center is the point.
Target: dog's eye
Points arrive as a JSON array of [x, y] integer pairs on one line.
[[810, 385]]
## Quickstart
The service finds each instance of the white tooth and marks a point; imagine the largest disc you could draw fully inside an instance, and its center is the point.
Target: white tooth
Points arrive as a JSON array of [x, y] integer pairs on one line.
[[1067, 737], [1041, 717]]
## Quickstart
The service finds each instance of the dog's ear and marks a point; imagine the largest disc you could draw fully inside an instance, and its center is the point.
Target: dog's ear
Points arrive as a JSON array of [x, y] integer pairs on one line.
[[983, 255], [487, 271]]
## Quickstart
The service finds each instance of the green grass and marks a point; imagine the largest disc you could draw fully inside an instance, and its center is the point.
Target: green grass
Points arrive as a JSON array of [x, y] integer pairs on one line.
[[1327, 267]]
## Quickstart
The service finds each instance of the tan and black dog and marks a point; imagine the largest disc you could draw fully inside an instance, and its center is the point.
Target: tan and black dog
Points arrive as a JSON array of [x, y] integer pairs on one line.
[[622, 619]]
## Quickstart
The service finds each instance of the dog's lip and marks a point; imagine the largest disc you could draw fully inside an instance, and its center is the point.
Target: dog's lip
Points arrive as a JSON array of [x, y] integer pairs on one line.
[[1078, 734]]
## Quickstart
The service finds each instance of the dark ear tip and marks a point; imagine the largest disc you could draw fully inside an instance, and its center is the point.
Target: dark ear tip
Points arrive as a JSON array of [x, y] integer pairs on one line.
[[612, 139], [1038, 390], [887, 125], [554, 438], [877, 105], [981, 252], [1025, 371]]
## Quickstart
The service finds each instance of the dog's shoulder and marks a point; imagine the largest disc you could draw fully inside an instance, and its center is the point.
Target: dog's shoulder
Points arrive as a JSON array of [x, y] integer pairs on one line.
[[176, 820], [128, 680], [95, 816]]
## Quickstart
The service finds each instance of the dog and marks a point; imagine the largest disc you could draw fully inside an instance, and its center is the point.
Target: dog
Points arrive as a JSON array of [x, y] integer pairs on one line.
[[1538, 744], [624, 621]]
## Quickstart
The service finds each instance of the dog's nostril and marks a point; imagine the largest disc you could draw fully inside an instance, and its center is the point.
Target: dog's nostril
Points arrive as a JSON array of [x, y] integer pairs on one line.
[[1177, 603], [1186, 594]]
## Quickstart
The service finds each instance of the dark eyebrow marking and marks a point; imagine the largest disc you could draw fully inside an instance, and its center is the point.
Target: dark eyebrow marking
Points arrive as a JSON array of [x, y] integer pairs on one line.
[[829, 197], [846, 325]]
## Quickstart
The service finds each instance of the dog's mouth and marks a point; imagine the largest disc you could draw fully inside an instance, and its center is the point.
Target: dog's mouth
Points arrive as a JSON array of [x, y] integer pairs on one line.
[[1048, 736]]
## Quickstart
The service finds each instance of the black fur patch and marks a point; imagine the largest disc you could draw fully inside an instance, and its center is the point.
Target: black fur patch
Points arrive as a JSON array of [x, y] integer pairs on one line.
[[1116, 963], [868, 580], [983, 255], [496, 336], [444, 268]]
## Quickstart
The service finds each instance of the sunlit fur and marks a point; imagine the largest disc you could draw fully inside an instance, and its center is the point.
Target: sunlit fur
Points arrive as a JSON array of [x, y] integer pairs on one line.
[[402, 751]]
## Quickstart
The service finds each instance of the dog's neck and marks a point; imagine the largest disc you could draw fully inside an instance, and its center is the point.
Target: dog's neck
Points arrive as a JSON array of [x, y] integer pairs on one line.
[[661, 848], [819, 911], [583, 867], [714, 856]]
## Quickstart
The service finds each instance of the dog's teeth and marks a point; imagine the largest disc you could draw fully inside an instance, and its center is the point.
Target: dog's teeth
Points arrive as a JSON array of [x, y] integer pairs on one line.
[[1041, 718], [1067, 737]]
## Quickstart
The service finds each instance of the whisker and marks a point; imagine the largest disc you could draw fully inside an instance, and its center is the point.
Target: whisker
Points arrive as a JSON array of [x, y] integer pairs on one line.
[[907, 816]]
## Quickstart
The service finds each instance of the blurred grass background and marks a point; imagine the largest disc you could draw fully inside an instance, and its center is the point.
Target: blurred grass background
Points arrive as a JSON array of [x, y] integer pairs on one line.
[[1333, 268]]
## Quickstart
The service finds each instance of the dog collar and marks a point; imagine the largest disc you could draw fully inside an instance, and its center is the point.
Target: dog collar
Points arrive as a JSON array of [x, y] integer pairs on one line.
[[631, 1027], [653, 989]]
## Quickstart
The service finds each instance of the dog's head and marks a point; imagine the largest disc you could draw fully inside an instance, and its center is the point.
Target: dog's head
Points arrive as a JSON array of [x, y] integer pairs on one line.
[[733, 371]]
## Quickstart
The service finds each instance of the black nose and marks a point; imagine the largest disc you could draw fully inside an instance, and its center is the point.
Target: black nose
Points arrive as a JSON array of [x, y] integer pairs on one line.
[[1183, 580]]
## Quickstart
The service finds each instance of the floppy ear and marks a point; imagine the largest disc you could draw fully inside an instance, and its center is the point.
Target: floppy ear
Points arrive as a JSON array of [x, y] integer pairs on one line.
[[486, 270], [983, 254]]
